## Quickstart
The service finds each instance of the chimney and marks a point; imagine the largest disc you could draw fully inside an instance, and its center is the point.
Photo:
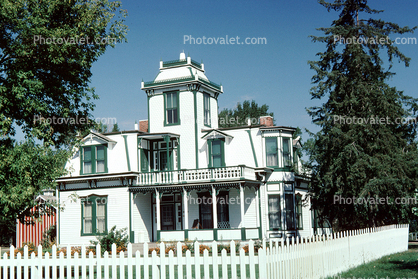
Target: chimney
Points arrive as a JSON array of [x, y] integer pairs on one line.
[[143, 126], [266, 121], [136, 126]]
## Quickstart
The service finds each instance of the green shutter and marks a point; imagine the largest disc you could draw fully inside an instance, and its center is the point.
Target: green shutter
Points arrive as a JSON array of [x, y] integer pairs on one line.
[[144, 160]]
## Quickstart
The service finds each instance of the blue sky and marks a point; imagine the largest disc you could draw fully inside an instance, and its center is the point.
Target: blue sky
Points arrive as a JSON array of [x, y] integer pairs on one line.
[[276, 73]]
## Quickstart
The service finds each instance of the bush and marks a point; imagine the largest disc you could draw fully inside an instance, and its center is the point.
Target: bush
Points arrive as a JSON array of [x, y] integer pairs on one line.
[[119, 237]]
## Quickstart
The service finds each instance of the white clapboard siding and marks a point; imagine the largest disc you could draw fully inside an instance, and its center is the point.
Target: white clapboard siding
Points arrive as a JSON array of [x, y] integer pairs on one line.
[[315, 257]]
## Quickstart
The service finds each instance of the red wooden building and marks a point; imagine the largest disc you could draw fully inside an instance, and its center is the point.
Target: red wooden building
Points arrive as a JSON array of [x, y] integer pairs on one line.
[[42, 217]]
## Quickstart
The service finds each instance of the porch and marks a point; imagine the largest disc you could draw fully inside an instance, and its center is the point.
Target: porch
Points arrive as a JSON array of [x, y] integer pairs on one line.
[[220, 174], [211, 234]]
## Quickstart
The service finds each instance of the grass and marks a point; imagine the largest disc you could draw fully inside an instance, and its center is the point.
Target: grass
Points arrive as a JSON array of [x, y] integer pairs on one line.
[[401, 266]]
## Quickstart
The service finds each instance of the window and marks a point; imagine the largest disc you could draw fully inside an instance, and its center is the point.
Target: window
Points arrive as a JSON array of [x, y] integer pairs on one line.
[[223, 210], [94, 215], [274, 212], [290, 220], [216, 153], [172, 108], [271, 152], [205, 211], [287, 159], [299, 224], [144, 160], [206, 109], [94, 159]]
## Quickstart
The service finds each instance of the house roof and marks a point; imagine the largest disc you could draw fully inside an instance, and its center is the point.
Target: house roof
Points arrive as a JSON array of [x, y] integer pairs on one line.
[[101, 136], [158, 135], [216, 133]]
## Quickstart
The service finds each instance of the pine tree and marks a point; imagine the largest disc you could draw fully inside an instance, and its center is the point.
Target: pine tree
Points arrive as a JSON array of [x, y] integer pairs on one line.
[[357, 153], [239, 116]]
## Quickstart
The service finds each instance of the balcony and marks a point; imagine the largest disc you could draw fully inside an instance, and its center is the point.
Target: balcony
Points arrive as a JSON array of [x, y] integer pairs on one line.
[[197, 176]]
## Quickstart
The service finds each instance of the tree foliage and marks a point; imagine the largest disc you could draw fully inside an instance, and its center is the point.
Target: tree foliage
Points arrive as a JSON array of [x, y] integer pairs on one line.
[[25, 168], [46, 53], [353, 155], [47, 49], [240, 115]]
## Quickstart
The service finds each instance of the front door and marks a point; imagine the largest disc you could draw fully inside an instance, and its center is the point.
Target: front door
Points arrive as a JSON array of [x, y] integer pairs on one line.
[[167, 217]]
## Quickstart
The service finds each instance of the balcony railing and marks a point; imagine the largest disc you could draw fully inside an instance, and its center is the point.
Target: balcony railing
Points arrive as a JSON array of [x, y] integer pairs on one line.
[[196, 175]]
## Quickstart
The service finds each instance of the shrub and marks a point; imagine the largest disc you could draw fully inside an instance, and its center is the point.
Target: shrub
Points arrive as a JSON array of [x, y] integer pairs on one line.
[[119, 237], [156, 249]]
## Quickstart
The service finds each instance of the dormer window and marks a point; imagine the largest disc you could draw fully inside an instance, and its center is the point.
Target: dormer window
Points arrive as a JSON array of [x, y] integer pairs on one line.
[[216, 153], [171, 102], [93, 159]]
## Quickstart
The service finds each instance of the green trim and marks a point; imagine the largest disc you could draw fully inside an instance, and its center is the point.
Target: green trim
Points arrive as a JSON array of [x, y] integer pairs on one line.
[[158, 235], [131, 232], [93, 159], [127, 152], [165, 108], [298, 201], [178, 154], [186, 234], [172, 63], [260, 232], [252, 148], [169, 158], [243, 234], [195, 129], [149, 122], [215, 234], [137, 154], [92, 199]]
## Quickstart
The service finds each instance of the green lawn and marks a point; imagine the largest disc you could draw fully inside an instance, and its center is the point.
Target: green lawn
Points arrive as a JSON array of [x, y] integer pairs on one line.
[[400, 265]]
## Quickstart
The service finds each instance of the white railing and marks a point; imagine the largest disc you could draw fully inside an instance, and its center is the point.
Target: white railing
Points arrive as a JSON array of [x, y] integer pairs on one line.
[[196, 175], [316, 257], [413, 236]]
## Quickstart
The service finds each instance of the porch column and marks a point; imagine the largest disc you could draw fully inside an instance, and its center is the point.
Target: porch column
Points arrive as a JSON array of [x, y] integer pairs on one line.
[[241, 196], [158, 209], [214, 209], [186, 210]]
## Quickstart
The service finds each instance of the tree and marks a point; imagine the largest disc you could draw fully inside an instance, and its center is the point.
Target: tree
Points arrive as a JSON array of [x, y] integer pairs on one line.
[[25, 168], [115, 128], [240, 115], [47, 49], [46, 53], [354, 155]]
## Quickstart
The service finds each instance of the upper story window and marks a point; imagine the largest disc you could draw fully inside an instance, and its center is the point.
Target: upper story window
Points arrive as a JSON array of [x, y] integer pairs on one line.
[[271, 152], [93, 159], [216, 153], [172, 108], [206, 109], [287, 156]]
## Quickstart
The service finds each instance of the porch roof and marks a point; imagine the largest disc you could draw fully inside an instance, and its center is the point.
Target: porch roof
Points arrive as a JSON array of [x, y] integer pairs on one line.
[[158, 135], [199, 186]]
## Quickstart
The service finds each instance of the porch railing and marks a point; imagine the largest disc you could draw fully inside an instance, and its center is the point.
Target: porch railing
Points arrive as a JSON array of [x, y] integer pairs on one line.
[[196, 175]]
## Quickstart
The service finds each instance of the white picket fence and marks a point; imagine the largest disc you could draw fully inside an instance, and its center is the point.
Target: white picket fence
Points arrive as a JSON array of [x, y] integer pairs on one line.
[[317, 257]]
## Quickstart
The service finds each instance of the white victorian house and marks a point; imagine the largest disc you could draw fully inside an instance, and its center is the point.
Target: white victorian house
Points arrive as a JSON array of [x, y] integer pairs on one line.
[[178, 176]]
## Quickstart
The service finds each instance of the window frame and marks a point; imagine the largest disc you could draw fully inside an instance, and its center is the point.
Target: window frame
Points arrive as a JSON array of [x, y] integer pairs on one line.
[[278, 213], [222, 154], [298, 212], [206, 110], [92, 199], [290, 211], [93, 158], [288, 153], [267, 153], [166, 108]]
